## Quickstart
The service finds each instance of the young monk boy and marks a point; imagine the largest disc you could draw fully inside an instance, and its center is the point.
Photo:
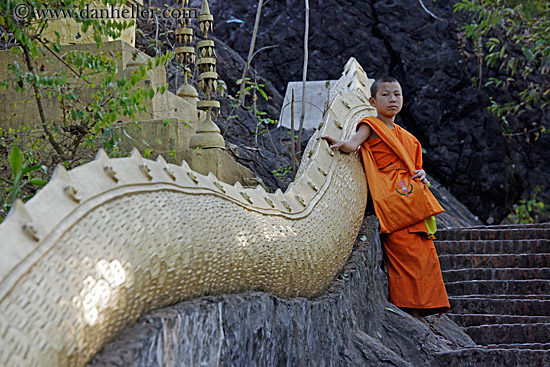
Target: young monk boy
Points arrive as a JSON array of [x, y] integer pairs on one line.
[[392, 158]]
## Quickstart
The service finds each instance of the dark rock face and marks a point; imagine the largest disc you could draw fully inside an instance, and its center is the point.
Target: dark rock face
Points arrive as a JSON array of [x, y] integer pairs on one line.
[[465, 149], [351, 324], [263, 153], [456, 214]]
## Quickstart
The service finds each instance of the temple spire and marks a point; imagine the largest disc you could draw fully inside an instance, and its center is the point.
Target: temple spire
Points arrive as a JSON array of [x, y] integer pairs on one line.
[[208, 134], [185, 52], [206, 20]]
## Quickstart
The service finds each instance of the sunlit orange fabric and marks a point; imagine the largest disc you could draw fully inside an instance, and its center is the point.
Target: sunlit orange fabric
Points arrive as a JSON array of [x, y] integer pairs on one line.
[[389, 164], [414, 274]]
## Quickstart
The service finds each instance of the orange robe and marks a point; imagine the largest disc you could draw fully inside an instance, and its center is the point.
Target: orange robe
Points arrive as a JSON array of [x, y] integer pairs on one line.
[[401, 205]]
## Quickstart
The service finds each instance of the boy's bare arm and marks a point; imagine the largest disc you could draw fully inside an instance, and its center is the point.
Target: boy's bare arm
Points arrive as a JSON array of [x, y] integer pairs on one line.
[[353, 143]]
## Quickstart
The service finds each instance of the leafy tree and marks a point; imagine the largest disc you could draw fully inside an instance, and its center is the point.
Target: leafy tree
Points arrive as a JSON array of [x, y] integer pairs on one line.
[[50, 73], [511, 39]]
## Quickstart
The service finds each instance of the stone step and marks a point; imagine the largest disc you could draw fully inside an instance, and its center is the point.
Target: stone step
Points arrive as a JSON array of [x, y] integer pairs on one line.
[[533, 346], [510, 333], [541, 297], [493, 247], [489, 287], [489, 233], [490, 319], [456, 275], [525, 306], [485, 357], [459, 261], [509, 226]]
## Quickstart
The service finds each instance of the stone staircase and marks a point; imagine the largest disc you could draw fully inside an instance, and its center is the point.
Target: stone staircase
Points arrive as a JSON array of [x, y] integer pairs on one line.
[[498, 282]]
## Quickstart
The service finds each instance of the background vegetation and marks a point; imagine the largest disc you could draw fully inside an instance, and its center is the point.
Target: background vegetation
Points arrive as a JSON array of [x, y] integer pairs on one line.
[[49, 73], [511, 41]]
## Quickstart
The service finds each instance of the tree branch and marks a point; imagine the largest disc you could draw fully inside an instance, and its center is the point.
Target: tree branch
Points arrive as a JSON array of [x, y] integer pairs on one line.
[[262, 49], [62, 61], [38, 98], [304, 77], [251, 49], [524, 132], [429, 12]]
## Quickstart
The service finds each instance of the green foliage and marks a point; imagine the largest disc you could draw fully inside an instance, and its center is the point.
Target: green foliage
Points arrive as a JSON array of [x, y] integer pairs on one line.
[[63, 80], [221, 88], [532, 210], [20, 177], [263, 122], [290, 134], [71, 131], [254, 87], [235, 105], [511, 40], [281, 172], [531, 8]]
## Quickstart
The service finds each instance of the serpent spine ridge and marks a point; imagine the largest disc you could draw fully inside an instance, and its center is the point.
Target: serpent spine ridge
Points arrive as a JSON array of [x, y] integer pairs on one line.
[[109, 240]]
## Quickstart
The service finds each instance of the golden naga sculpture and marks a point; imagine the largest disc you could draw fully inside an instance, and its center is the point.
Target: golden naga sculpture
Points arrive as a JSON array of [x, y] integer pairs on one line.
[[107, 241]]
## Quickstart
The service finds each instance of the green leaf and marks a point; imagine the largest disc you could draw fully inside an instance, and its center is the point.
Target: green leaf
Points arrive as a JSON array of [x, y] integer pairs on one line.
[[30, 169], [528, 53], [28, 197], [363, 238], [37, 182], [18, 33], [16, 161]]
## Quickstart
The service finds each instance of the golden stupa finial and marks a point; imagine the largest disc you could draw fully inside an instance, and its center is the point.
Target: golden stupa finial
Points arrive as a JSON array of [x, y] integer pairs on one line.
[[185, 52], [182, 3], [206, 20], [208, 77], [208, 134]]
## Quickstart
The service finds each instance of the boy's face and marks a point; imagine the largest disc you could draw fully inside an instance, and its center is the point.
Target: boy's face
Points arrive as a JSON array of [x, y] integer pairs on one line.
[[389, 100]]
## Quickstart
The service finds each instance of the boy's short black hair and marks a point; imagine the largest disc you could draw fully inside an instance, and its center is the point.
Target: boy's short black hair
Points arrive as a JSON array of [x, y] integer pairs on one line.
[[385, 79]]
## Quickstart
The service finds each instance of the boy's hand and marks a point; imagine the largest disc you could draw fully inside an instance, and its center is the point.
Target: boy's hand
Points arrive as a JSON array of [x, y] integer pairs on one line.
[[353, 143], [333, 143], [421, 175]]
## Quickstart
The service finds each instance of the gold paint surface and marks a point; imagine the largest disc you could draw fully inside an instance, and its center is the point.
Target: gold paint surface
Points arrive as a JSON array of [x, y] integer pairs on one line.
[[147, 234]]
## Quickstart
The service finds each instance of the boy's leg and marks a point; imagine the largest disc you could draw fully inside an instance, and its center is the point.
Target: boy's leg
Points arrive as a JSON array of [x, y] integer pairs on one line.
[[414, 275]]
